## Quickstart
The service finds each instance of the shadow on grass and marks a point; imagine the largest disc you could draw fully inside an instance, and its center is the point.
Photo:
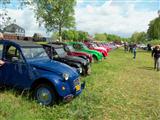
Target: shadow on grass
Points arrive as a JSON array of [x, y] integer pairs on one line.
[[146, 68]]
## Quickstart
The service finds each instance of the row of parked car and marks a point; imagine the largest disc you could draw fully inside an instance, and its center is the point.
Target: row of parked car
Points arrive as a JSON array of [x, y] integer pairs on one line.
[[50, 71]]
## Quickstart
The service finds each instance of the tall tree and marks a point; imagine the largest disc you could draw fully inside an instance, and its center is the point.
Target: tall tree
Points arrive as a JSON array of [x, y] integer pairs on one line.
[[82, 35], [139, 37], [100, 37], [55, 14], [154, 29], [67, 35]]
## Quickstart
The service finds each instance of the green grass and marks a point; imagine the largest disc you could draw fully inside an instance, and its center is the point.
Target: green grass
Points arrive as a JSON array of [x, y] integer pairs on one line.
[[119, 88]]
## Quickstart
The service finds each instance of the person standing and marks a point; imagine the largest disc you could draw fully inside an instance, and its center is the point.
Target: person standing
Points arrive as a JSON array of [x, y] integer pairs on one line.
[[156, 55], [125, 46], [134, 51]]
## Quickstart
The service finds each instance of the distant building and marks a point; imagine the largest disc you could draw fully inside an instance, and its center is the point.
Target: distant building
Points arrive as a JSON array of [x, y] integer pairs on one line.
[[14, 30]]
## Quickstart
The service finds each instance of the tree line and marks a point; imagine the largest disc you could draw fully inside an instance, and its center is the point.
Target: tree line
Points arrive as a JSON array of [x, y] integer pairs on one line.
[[58, 16]]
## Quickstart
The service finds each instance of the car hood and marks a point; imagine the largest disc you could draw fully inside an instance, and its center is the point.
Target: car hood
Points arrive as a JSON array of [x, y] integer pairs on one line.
[[102, 48], [92, 51], [82, 53], [55, 67], [99, 49], [75, 59]]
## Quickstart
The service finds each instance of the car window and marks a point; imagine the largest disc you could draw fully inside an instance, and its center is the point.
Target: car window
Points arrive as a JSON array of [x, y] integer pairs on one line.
[[77, 46], [70, 48], [33, 53], [1, 50], [11, 52], [61, 52], [48, 51], [54, 53]]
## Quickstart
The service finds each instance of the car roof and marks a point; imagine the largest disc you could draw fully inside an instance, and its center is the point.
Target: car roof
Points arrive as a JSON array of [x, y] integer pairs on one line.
[[23, 43], [57, 43], [53, 45], [75, 43]]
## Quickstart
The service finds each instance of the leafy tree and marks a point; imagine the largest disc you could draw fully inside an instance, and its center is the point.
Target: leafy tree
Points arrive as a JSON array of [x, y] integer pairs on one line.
[[54, 36], [109, 37], [82, 35], [76, 35], [100, 37], [112, 37], [139, 37], [154, 42], [154, 29], [55, 14], [67, 35]]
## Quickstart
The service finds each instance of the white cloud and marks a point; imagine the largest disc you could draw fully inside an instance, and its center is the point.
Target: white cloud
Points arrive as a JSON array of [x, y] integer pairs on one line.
[[26, 19], [80, 1], [110, 18], [113, 19]]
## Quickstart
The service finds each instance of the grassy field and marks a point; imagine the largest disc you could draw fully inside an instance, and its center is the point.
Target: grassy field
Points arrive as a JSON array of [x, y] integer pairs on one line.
[[119, 88]]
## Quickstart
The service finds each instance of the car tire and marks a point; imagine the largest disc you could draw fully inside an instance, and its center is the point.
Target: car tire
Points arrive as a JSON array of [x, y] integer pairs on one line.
[[45, 94], [95, 59]]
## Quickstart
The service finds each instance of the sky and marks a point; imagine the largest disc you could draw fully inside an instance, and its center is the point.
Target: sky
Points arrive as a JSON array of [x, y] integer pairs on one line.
[[121, 17]]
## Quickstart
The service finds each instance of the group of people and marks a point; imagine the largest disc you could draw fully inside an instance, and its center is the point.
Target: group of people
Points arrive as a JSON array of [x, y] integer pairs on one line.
[[131, 48], [156, 55]]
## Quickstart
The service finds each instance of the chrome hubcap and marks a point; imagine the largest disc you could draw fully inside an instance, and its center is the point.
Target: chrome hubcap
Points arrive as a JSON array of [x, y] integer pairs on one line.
[[44, 96]]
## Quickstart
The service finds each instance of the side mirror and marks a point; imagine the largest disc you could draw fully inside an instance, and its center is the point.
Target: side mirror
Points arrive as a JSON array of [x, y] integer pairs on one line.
[[15, 59]]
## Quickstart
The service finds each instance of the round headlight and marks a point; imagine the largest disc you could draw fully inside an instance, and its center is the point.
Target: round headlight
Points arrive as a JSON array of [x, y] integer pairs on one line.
[[80, 70], [65, 76], [88, 60]]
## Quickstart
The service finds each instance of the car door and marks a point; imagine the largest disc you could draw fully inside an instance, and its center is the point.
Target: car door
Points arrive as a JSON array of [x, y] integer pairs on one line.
[[15, 69]]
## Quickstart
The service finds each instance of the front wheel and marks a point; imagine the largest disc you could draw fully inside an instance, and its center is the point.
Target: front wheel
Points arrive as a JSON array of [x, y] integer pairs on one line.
[[95, 59], [45, 95]]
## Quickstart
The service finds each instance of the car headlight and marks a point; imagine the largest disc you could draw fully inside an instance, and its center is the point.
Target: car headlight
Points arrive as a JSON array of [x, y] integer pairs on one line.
[[85, 62], [88, 60], [66, 76], [80, 70]]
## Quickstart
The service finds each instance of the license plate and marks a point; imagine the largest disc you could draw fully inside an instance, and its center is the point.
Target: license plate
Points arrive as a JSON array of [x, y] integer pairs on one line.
[[78, 87]]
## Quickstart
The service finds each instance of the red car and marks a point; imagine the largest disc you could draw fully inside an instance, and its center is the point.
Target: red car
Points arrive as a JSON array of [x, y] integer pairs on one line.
[[72, 52], [93, 46], [104, 45]]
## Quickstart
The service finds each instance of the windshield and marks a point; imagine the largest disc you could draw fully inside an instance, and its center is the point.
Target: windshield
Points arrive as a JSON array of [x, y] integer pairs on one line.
[[84, 46], [34, 53], [61, 52], [71, 48]]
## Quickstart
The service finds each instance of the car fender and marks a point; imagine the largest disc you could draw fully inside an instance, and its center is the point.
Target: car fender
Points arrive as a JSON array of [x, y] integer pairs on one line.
[[58, 83]]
